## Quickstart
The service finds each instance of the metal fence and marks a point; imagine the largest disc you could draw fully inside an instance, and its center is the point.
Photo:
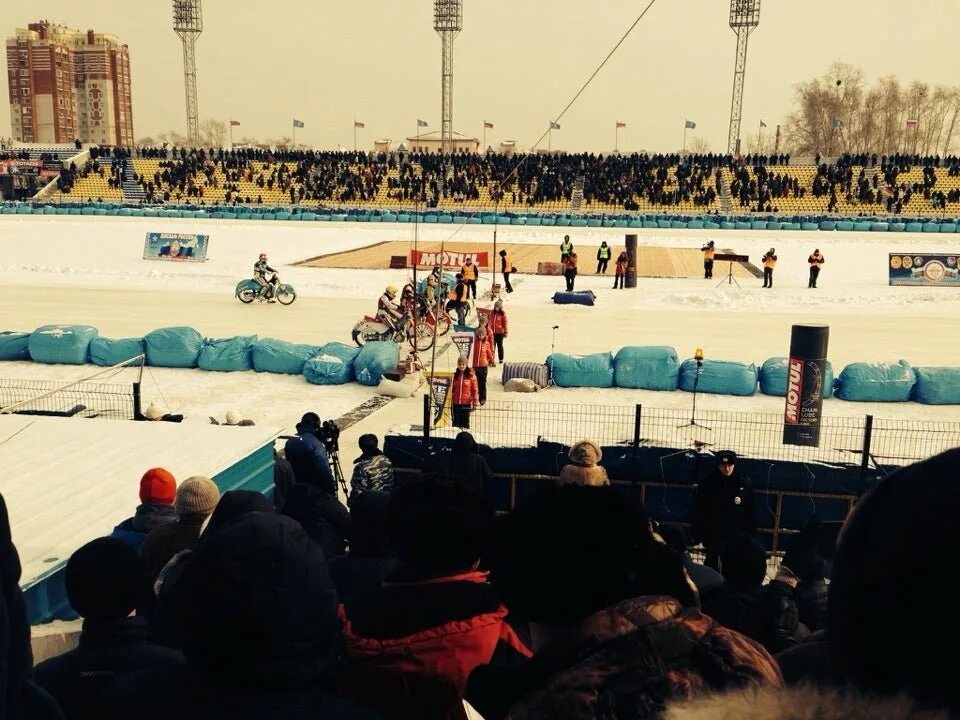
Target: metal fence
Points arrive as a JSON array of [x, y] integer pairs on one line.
[[77, 399]]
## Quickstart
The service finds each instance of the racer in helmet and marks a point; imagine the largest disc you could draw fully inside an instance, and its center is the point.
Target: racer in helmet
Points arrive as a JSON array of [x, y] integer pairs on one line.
[[267, 285], [388, 312]]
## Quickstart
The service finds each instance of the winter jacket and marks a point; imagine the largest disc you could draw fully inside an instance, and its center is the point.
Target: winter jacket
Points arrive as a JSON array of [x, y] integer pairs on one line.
[[708, 252], [506, 264], [371, 472], [82, 679], [322, 515], [356, 576], [467, 466], [603, 253], [470, 272], [570, 265], [566, 247], [626, 662], [164, 542], [283, 480], [442, 626], [459, 292], [498, 322], [308, 456], [483, 353], [816, 260], [722, 507], [766, 613], [769, 260], [147, 517], [464, 389], [621, 268]]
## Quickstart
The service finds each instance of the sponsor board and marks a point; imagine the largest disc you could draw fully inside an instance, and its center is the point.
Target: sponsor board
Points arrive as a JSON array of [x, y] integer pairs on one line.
[[927, 270], [431, 258], [177, 247]]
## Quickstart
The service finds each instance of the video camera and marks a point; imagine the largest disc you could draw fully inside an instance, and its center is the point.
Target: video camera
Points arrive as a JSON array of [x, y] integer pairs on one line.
[[329, 435]]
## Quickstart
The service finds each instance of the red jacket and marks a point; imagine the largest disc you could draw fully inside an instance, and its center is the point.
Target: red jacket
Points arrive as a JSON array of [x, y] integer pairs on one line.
[[463, 388], [483, 352], [498, 323]]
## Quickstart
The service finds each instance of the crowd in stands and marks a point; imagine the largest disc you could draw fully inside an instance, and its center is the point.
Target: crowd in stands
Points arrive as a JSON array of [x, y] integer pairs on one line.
[[418, 602]]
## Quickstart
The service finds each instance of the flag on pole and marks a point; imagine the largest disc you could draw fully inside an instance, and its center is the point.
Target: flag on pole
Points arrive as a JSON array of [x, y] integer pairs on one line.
[[298, 123], [358, 124], [234, 123], [488, 125], [422, 123], [621, 125], [838, 124], [554, 126], [762, 124], [911, 123], [689, 125]]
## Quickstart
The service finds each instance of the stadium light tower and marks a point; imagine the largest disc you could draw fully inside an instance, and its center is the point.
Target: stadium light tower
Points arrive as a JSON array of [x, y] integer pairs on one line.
[[188, 24], [744, 17], [448, 22]]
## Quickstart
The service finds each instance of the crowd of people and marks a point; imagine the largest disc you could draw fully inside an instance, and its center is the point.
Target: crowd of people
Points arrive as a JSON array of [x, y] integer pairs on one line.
[[414, 600]]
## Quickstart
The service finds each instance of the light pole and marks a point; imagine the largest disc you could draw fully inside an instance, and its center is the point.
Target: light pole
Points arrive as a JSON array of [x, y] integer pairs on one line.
[[744, 18], [448, 22], [188, 24]]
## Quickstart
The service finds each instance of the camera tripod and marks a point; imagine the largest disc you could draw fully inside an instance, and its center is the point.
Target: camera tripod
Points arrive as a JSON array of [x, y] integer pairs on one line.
[[729, 279], [333, 457]]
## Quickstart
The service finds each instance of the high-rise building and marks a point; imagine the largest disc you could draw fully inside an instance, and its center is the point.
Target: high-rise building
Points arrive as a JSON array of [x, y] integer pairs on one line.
[[68, 85]]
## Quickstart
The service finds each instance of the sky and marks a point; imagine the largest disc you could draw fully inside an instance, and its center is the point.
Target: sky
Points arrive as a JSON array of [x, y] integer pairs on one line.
[[517, 64]]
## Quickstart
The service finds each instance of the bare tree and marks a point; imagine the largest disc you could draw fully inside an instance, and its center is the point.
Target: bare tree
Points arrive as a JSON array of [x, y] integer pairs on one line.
[[698, 146], [213, 133]]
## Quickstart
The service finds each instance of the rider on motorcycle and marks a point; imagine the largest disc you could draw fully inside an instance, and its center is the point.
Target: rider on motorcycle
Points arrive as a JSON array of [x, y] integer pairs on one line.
[[267, 286], [388, 312], [433, 282]]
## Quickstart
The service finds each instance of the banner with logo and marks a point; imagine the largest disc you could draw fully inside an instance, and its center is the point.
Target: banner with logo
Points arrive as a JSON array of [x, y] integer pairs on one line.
[[440, 394], [430, 258], [928, 270], [806, 371], [463, 341], [180, 247]]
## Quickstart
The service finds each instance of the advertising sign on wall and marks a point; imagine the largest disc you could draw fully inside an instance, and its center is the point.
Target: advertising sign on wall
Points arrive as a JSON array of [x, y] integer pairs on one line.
[[925, 269], [181, 247]]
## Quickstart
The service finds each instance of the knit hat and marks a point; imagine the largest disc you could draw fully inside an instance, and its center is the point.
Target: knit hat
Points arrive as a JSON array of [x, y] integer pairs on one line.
[[197, 495], [586, 453], [158, 486], [153, 412], [106, 579], [232, 418], [583, 468]]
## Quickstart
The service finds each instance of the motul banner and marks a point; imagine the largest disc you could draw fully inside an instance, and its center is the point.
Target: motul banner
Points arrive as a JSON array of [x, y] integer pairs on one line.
[[806, 371], [464, 344], [440, 393], [430, 258]]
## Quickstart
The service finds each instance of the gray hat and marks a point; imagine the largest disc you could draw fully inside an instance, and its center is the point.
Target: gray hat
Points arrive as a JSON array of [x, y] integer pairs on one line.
[[197, 495]]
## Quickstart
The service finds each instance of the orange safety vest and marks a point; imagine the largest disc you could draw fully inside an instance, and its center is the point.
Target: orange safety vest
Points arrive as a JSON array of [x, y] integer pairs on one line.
[[708, 254], [506, 264], [469, 272], [769, 261]]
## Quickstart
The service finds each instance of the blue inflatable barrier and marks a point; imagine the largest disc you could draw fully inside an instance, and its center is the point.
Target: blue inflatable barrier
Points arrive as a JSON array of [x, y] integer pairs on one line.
[[173, 347], [333, 365], [373, 360], [582, 370], [227, 355], [876, 382], [13, 346], [106, 352], [719, 377], [937, 385], [580, 297], [280, 357], [61, 344], [773, 378], [647, 368]]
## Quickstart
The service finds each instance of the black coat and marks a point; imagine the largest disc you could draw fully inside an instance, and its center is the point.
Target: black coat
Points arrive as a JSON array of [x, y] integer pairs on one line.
[[467, 466], [322, 515], [722, 507], [766, 613], [308, 457], [355, 576], [81, 680]]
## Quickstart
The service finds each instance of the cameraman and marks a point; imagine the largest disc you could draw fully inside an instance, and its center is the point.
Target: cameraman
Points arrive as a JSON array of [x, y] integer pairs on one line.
[[308, 456]]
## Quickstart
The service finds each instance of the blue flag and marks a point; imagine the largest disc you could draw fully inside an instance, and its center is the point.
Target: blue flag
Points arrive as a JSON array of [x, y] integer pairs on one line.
[[298, 123], [422, 123], [690, 125]]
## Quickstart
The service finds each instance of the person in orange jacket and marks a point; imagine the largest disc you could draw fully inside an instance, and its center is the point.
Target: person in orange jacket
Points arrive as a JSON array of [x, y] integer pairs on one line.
[[769, 263], [498, 326], [464, 394], [482, 359], [471, 273]]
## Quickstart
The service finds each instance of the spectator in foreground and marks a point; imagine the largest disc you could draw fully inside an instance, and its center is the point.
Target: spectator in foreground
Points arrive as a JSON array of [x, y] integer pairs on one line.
[[262, 638], [704, 577], [584, 468], [308, 455], [722, 506], [322, 515], [464, 394], [371, 558], [436, 614], [283, 479], [613, 617], [466, 466], [105, 582], [158, 491], [372, 472], [197, 497]]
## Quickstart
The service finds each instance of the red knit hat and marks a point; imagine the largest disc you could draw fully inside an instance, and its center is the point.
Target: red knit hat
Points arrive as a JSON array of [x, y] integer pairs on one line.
[[158, 486]]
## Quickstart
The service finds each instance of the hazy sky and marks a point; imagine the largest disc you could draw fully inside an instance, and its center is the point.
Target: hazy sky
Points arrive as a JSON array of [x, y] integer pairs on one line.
[[517, 63]]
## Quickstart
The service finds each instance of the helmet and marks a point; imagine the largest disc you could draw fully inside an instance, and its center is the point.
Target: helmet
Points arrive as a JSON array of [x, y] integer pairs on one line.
[[391, 291], [263, 256]]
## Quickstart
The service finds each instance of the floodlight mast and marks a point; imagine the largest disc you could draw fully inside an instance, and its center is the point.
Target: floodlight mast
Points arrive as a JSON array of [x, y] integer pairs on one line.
[[744, 18], [188, 24], [448, 22]]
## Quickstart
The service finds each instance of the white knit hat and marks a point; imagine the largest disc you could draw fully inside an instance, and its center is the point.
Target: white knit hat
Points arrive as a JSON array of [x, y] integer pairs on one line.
[[232, 418], [153, 412]]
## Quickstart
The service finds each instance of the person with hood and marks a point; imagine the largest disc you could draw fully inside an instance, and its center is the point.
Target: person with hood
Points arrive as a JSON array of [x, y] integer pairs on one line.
[[603, 257], [308, 455], [506, 269], [470, 273], [483, 359], [372, 471], [464, 394], [620, 271], [105, 581], [158, 491], [322, 515], [584, 467], [499, 326], [436, 614], [816, 262], [570, 270], [722, 506], [260, 632], [468, 467], [708, 251], [370, 558], [197, 497], [769, 263], [613, 616]]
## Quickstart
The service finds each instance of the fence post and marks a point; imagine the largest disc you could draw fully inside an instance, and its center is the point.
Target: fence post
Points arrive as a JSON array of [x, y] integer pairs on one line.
[[426, 418], [867, 440], [637, 418], [137, 405]]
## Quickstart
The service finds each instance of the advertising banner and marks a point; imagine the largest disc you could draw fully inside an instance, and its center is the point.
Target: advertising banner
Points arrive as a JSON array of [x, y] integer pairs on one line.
[[926, 269], [463, 341], [429, 258], [181, 247], [806, 371], [440, 393]]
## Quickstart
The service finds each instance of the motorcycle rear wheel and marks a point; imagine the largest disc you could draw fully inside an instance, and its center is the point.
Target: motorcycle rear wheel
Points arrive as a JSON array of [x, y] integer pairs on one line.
[[424, 338], [246, 296]]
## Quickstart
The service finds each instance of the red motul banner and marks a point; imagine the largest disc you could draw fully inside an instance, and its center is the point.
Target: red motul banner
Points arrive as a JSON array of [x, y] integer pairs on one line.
[[429, 258]]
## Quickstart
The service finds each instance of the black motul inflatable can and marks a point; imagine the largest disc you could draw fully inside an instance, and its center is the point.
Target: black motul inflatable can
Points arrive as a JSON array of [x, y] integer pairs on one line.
[[806, 373]]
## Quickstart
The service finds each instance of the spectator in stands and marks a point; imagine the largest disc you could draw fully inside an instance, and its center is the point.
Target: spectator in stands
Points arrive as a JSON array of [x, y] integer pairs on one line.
[[324, 518], [483, 359], [471, 274], [499, 327], [570, 270], [816, 262], [19, 696], [603, 257], [583, 467], [467, 466], [809, 556], [105, 581], [704, 577], [464, 394], [620, 271], [262, 637], [769, 263], [158, 491], [371, 558], [436, 614], [613, 617], [722, 506], [197, 497], [308, 455], [372, 472]]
